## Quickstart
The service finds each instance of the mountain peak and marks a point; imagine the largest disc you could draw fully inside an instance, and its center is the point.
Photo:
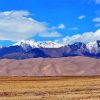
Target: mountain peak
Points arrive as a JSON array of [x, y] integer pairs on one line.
[[92, 47]]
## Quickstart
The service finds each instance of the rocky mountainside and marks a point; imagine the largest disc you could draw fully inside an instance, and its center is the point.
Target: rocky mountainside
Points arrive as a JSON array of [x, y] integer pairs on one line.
[[30, 49]]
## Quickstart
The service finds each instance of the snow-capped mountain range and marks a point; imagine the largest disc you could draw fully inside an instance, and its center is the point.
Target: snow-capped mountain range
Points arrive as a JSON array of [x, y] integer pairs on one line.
[[32, 49], [91, 46]]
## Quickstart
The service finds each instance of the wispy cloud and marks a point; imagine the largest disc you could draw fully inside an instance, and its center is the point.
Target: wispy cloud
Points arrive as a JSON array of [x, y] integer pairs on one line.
[[97, 25], [97, 21], [61, 26], [50, 34], [17, 25], [98, 1], [73, 28], [81, 17], [91, 2]]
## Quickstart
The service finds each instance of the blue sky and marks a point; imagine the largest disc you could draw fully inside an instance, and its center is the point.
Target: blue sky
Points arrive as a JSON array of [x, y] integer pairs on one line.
[[55, 19]]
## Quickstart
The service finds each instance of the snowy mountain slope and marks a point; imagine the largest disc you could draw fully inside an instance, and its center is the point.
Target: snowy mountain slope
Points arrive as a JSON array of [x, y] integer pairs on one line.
[[92, 47], [33, 44]]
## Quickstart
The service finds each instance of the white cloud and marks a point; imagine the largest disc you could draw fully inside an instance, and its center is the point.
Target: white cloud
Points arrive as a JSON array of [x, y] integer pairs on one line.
[[61, 26], [85, 37], [97, 21], [81, 17], [17, 25], [51, 34]]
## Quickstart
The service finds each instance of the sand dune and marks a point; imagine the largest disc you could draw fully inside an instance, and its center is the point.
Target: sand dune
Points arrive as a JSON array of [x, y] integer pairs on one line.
[[50, 66]]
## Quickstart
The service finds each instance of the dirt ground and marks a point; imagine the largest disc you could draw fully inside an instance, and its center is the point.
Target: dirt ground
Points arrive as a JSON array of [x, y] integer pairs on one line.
[[50, 88]]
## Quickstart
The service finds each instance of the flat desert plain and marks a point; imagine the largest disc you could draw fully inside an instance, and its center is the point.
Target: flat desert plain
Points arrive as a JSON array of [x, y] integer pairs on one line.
[[50, 88]]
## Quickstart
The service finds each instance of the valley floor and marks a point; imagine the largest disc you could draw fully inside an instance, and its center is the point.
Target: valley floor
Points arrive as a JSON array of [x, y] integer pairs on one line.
[[50, 88]]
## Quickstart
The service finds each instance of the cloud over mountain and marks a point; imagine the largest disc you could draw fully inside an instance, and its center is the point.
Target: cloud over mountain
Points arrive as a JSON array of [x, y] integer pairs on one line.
[[18, 25], [85, 37]]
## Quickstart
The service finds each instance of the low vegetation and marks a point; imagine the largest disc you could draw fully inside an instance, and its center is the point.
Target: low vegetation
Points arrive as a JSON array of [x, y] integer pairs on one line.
[[50, 88]]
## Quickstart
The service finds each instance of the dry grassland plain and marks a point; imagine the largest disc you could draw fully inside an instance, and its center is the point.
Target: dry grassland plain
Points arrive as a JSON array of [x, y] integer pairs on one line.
[[50, 88]]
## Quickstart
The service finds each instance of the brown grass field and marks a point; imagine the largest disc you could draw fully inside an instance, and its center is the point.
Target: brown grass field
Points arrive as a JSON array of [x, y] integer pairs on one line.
[[50, 88]]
